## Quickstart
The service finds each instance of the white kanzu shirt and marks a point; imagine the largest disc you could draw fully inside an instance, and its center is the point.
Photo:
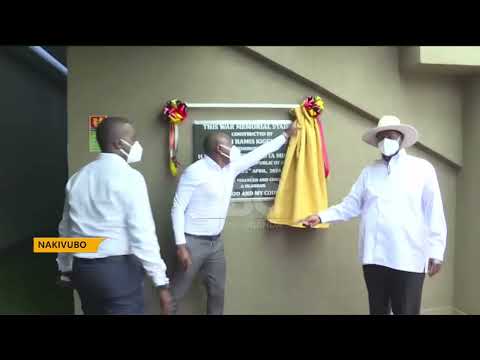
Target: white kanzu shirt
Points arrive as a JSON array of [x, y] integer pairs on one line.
[[402, 220], [203, 194], [108, 198]]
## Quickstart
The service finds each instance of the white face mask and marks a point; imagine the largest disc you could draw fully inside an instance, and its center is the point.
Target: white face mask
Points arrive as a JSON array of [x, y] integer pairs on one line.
[[135, 153], [234, 153], [388, 147]]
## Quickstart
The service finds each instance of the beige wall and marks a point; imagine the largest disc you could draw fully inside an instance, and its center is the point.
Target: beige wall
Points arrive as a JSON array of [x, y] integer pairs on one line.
[[450, 55], [268, 271], [467, 283], [368, 77], [440, 60]]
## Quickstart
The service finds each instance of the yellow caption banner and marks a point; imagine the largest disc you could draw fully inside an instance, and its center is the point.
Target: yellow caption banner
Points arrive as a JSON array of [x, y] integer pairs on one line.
[[66, 245]]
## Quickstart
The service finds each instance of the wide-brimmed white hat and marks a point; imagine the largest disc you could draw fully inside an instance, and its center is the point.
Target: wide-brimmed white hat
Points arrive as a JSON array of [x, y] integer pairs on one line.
[[390, 122]]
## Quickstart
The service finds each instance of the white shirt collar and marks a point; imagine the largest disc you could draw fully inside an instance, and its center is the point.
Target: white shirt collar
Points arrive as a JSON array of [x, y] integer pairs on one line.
[[212, 163], [111, 157], [395, 159]]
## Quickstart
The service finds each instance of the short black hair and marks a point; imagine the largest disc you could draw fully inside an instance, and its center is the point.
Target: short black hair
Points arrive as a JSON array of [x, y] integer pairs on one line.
[[210, 142], [107, 130]]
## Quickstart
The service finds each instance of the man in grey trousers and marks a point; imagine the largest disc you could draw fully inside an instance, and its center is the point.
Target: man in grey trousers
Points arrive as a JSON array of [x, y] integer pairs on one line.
[[199, 210]]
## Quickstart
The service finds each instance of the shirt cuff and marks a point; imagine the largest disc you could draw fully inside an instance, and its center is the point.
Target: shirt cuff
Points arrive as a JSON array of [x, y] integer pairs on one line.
[[160, 279], [65, 263], [282, 138], [437, 253], [326, 216], [180, 239]]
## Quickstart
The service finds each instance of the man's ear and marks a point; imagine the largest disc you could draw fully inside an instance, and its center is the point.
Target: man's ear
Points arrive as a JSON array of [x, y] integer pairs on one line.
[[118, 145]]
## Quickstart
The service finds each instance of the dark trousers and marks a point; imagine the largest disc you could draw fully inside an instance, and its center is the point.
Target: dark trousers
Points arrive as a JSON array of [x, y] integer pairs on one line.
[[110, 286], [393, 290]]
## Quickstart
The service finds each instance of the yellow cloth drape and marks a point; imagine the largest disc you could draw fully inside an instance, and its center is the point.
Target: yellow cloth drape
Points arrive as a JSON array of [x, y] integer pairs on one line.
[[302, 190]]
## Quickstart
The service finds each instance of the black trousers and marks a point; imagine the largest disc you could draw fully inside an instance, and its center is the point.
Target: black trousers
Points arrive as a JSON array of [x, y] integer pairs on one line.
[[393, 290], [109, 286]]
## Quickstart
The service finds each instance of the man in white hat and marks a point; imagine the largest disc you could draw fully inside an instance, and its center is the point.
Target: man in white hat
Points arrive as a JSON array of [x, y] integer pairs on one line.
[[402, 230]]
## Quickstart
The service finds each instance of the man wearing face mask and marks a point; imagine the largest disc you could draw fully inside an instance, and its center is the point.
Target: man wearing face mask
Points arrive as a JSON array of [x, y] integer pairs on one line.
[[402, 230], [199, 210], [108, 198]]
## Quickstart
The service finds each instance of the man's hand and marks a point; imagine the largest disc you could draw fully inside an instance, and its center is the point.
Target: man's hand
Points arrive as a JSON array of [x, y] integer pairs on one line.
[[165, 301], [312, 221], [65, 280], [184, 257], [292, 130], [434, 267]]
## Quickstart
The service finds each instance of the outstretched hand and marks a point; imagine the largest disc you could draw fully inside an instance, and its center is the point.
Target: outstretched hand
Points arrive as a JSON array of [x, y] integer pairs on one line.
[[292, 129], [311, 221]]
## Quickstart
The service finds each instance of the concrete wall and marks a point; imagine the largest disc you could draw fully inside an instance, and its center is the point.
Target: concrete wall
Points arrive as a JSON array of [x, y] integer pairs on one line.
[[34, 171], [34, 161], [440, 60], [271, 271], [450, 55], [467, 274], [369, 78]]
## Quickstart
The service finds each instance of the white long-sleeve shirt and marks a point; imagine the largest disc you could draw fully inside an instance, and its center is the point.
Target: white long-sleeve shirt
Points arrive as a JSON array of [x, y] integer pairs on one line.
[[108, 198], [402, 220], [203, 194]]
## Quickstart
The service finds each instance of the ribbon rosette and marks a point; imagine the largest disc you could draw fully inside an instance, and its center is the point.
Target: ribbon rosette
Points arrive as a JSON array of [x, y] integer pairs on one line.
[[314, 107], [176, 112]]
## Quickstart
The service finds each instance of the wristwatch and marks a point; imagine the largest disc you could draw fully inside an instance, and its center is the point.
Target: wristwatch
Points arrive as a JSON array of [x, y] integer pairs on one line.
[[66, 276]]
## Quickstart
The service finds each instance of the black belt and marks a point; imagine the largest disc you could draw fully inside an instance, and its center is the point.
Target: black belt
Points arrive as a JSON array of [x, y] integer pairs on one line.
[[205, 237], [108, 259]]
